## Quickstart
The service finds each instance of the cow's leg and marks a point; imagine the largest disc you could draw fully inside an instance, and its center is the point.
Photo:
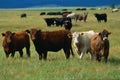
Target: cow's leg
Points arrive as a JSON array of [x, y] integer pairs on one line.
[[21, 53], [67, 53], [45, 55], [71, 51], [81, 55], [91, 55], [106, 55], [28, 51], [13, 53]]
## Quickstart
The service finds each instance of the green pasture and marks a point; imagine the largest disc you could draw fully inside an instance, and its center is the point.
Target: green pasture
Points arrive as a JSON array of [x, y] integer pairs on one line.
[[57, 67]]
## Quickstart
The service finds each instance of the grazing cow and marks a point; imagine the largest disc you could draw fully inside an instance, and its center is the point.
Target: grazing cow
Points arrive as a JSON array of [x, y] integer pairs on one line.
[[100, 17], [49, 21], [81, 42], [24, 15], [81, 17], [100, 45], [51, 41], [16, 42], [68, 25]]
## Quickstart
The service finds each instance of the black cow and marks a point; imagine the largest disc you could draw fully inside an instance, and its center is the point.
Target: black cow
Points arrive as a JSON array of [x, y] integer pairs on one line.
[[42, 13], [100, 17], [24, 15], [60, 21], [68, 25], [49, 21]]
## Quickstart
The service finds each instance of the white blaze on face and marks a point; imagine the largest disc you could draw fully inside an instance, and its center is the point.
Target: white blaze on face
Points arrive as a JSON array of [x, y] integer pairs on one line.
[[75, 37]]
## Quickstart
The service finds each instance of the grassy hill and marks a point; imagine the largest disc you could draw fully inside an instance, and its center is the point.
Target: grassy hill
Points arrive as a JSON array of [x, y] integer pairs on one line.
[[57, 67]]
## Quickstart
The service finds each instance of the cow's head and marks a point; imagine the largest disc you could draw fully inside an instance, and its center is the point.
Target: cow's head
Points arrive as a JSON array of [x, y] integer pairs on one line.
[[34, 33], [67, 24], [104, 34], [76, 36], [8, 35]]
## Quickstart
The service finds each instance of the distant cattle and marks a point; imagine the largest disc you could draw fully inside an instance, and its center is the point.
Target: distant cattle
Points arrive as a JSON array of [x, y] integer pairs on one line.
[[82, 9], [24, 15], [54, 13], [61, 21], [100, 45], [42, 13], [81, 41], [71, 15], [100, 17], [115, 10], [64, 14], [16, 42], [49, 21], [81, 16], [51, 41]]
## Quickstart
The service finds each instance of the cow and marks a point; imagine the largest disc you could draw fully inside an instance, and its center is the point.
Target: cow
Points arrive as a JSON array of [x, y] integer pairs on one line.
[[42, 13], [115, 10], [100, 17], [51, 41], [81, 42], [68, 25], [61, 21], [81, 16], [24, 15], [16, 42], [100, 45], [71, 15], [49, 21]]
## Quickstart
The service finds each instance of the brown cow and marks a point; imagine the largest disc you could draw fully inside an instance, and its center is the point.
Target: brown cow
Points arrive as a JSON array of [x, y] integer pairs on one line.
[[100, 45], [16, 42], [51, 41], [81, 17]]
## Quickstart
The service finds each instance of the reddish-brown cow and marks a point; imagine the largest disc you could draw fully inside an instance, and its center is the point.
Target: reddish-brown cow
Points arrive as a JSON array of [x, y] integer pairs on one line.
[[100, 45], [51, 41], [16, 42]]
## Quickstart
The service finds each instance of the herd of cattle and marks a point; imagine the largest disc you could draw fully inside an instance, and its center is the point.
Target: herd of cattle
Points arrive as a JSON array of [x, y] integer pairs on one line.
[[96, 43]]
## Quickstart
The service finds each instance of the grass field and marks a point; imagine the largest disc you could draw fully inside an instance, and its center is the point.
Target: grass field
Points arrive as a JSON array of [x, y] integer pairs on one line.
[[57, 67]]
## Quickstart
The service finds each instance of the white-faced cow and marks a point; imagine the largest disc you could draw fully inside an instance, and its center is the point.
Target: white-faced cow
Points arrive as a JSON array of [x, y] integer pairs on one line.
[[100, 45], [51, 41], [81, 42], [16, 42]]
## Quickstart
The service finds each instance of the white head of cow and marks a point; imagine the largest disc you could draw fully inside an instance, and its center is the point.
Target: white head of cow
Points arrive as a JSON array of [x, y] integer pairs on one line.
[[75, 37]]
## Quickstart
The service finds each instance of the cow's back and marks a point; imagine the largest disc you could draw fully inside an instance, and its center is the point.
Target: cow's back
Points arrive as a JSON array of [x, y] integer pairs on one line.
[[55, 40], [21, 39]]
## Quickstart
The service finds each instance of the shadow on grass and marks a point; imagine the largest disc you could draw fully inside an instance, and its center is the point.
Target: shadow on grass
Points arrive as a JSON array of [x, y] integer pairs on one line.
[[114, 61]]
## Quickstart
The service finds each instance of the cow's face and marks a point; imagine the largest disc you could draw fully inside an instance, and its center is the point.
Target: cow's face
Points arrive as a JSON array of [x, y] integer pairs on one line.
[[34, 33], [76, 36], [8, 36], [7, 41], [104, 34]]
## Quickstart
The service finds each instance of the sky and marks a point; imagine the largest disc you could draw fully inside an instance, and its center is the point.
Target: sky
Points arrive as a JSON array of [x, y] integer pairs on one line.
[[33, 3]]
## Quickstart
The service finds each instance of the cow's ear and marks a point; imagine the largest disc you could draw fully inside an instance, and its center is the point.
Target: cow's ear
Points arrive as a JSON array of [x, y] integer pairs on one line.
[[27, 31], [99, 33], [3, 34]]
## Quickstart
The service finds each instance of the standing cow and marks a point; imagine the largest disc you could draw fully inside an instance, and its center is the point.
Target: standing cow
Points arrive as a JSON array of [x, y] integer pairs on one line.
[[51, 41], [16, 42], [100, 45], [101, 17]]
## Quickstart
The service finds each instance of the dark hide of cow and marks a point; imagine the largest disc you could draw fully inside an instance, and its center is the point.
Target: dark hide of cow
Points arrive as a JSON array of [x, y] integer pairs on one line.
[[51, 41], [100, 45], [101, 17], [16, 42], [68, 25]]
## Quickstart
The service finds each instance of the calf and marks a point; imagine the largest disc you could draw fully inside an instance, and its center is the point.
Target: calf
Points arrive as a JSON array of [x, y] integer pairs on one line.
[[51, 41], [100, 45], [16, 42]]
